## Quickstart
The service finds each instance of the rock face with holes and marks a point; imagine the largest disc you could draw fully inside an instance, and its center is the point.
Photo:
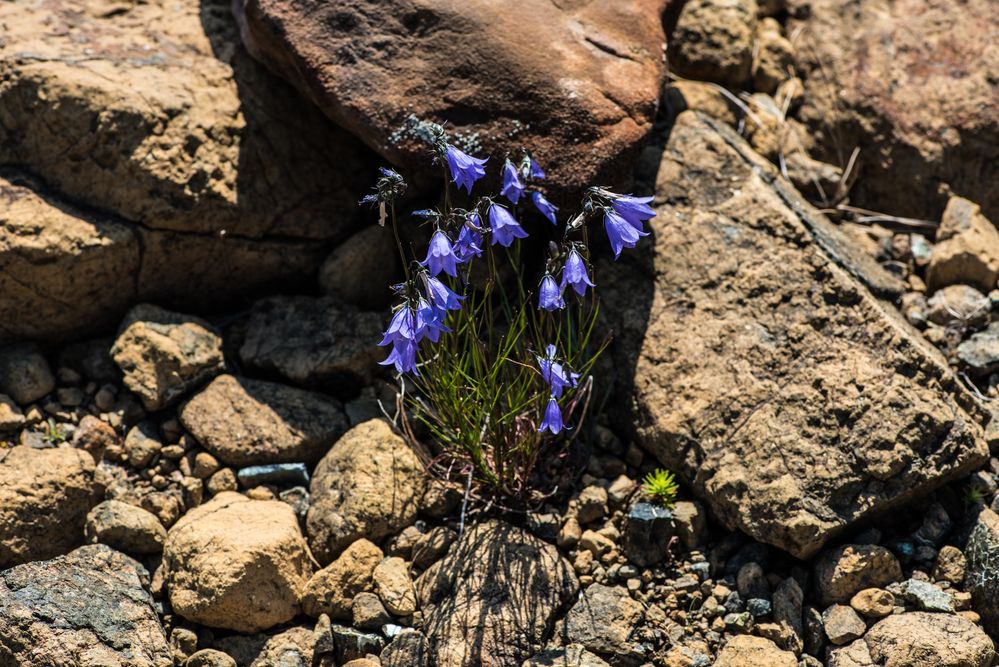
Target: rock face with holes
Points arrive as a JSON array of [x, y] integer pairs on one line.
[[912, 84], [194, 172], [759, 366], [89, 608], [576, 82]]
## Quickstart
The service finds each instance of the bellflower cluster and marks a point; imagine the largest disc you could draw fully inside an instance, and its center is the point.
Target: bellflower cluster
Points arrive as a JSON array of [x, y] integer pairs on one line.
[[466, 343]]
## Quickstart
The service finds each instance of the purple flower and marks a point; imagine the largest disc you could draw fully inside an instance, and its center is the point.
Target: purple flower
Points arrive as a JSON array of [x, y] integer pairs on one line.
[[555, 375], [402, 356], [465, 169], [535, 170], [549, 294], [402, 326], [574, 273], [469, 241], [512, 188], [547, 208], [441, 296], [635, 210], [553, 418], [430, 321], [505, 227], [621, 233], [440, 256]]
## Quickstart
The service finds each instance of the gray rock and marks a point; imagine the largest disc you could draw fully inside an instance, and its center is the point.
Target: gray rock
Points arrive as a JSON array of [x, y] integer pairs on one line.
[[368, 612], [691, 523], [980, 353], [504, 584], [982, 575], [647, 532], [751, 582], [25, 375], [313, 342], [923, 595], [353, 644], [125, 527], [278, 474], [89, 608], [787, 601], [603, 621], [936, 524], [142, 444], [958, 304]]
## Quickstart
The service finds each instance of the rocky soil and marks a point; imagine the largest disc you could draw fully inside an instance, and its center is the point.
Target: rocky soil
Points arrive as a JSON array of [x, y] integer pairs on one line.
[[196, 468]]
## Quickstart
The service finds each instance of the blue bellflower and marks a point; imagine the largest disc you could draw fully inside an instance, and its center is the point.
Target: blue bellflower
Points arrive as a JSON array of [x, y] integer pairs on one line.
[[440, 255], [621, 233], [430, 321], [402, 334], [635, 210], [441, 296], [513, 188], [535, 171], [469, 241], [574, 273], [546, 208], [505, 227], [465, 169], [556, 376], [403, 357], [549, 294], [552, 419]]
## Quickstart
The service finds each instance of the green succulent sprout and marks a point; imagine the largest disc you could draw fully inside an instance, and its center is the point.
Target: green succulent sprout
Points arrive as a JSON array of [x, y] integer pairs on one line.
[[661, 485]]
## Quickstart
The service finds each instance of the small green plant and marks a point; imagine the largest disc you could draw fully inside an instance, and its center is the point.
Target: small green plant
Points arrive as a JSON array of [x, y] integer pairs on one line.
[[661, 485], [54, 433], [974, 496]]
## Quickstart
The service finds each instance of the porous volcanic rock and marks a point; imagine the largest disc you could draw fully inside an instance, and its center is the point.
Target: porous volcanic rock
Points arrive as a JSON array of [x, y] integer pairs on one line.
[[756, 363], [912, 85], [202, 174], [749, 651], [500, 585], [368, 485], [45, 495], [576, 82], [237, 563], [89, 608], [249, 422]]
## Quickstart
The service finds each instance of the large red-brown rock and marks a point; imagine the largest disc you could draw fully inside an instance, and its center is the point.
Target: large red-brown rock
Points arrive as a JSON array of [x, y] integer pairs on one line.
[[912, 84], [166, 163], [578, 81], [757, 364]]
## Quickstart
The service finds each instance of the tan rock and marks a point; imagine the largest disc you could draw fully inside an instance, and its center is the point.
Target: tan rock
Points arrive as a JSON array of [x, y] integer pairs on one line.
[[873, 602], [773, 57], [842, 624], [713, 41], [395, 587], [164, 355], [252, 422], [911, 85], [745, 275], [950, 565], [361, 268], [153, 114], [367, 485], [967, 249], [749, 651], [918, 639], [125, 527], [11, 417], [209, 657], [708, 98], [842, 572], [584, 103], [331, 589], [45, 495], [94, 436], [237, 564]]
